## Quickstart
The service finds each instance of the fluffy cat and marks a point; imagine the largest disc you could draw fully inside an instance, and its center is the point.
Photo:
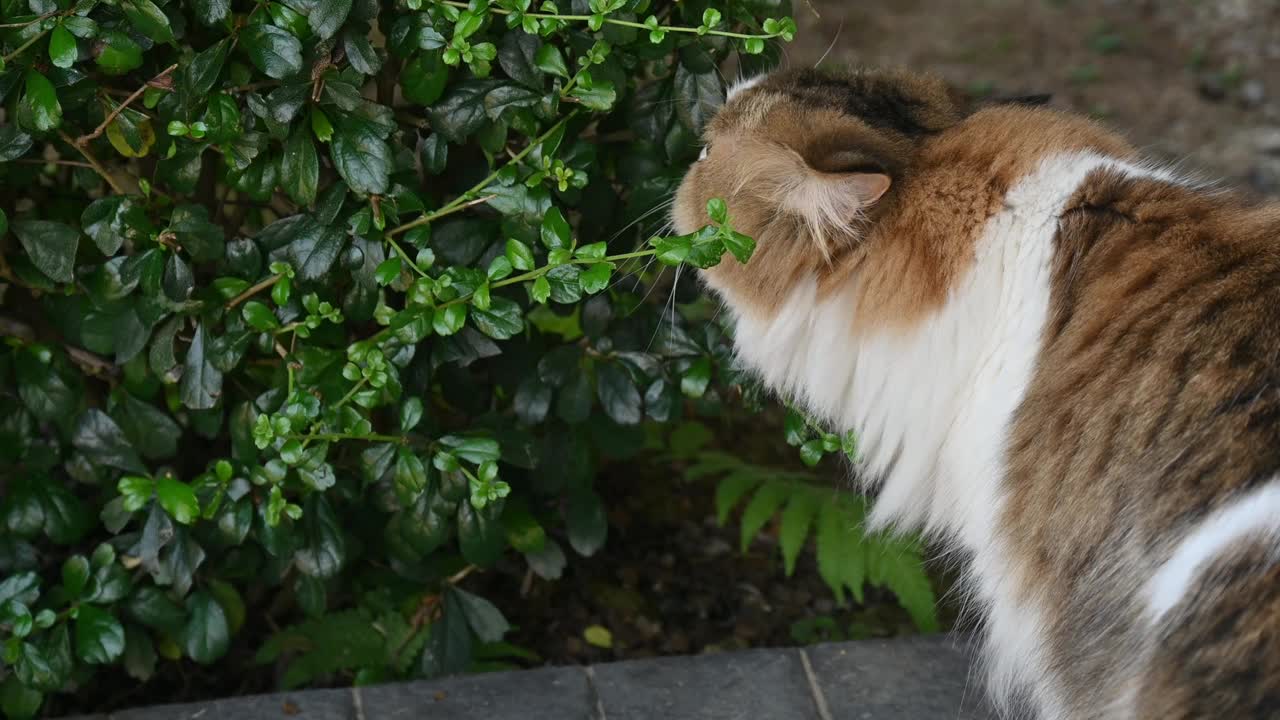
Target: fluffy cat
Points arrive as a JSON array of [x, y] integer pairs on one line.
[[1060, 359]]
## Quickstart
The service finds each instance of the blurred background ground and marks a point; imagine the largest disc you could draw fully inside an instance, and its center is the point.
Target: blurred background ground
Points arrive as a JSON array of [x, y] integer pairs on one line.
[[1192, 82]]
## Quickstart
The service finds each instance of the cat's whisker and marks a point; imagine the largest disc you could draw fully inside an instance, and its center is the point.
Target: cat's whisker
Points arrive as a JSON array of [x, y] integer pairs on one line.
[[830, 47]]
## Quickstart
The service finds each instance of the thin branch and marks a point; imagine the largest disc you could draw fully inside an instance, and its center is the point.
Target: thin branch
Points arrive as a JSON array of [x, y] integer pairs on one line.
[[93, 162], [84, 139], [34, 39], [33, 21], [56, 161], [253, 291]]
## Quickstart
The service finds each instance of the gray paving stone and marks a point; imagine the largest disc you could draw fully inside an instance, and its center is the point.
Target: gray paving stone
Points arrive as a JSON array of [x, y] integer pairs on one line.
[[901, 679], [751, 685], [305, 705], [542, 694]]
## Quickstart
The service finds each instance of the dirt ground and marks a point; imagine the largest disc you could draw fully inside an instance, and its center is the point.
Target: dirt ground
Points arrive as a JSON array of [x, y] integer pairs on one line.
[[1192, 81]]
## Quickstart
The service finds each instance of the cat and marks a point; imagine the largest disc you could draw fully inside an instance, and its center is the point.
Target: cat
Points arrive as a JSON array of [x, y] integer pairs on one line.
[[1061, 359]]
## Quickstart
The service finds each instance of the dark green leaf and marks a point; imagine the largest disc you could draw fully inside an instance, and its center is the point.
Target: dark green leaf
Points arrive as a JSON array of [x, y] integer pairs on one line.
[[201, 381], [461, 112], [154, 608], [549, 60], [23, 587], [150, 430], [206, 635], [119, 53], [600, 96], [273, 51], [556, 234], [327, 16], [75, 573], [99, 636], [517, 55], [62, 47], [50, 245], [324, 550], [574, 405], [698, 96], [300, 168], [424, 78], [99, 438], [45, 392], [314, 250], [448, 649], [211, 12], [39, 109], [178, 280], [485, 619], [148, 19], [588, 525], [202, 74], [479, 535], [178, 499], [13, 143], [532, 400], [501, 321], [618, 396], [139, 653], [17, 701], [360, 52], [361, 157]]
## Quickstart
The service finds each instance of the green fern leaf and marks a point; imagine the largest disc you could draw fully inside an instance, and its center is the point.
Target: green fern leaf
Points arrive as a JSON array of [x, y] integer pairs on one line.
[[796, 521], [834, 548], [763, 505], [346, 640], [906, 578], [730, 490]]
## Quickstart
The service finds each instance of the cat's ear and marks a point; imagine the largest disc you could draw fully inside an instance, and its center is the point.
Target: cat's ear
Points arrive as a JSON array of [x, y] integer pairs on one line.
[[859, 173], [832, 194]]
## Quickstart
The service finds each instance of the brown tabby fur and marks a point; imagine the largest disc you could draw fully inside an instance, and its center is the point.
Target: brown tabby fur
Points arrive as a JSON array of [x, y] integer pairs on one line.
[[1157, 393]]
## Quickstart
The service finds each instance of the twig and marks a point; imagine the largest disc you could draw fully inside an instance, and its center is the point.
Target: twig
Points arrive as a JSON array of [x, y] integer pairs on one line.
[[93, 161], [253, 291], [34, 39], [33, 21], [84, 139], [57, 161]]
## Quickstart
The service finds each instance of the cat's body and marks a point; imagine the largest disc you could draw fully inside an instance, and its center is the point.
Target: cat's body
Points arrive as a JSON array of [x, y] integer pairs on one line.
[[1062, 361]]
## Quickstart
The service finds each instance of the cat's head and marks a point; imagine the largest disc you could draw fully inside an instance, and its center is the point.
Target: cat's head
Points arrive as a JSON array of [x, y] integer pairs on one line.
[[806, 162]]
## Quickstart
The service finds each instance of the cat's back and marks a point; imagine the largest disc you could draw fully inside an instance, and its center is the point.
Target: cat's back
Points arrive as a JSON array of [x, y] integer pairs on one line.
[[1145, 461]]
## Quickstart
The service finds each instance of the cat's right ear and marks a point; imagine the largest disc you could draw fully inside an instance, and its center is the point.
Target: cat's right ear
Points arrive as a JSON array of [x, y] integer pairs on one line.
[[863, 176]]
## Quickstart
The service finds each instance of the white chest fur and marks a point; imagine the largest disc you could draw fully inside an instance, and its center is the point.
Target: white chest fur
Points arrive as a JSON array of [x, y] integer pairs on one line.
[[933, 405]]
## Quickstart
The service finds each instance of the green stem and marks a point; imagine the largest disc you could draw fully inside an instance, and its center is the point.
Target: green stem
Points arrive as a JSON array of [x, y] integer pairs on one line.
[[622, 23], [312, 434], [405, 257], [351, 393], [466, 199], [336, 437], [537, 272]]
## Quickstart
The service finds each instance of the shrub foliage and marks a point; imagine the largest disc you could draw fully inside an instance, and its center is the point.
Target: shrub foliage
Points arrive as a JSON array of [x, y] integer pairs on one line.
[[319, 305]]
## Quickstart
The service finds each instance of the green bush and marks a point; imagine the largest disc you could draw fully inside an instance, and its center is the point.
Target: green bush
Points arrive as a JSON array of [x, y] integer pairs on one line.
[[318, 305]]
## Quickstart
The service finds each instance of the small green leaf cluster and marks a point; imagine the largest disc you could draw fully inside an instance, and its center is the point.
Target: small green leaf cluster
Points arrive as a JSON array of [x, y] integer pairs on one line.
[[315, 308]]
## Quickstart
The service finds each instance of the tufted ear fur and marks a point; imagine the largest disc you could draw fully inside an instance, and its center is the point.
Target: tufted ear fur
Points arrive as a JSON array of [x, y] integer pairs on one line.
[[828, 192]]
